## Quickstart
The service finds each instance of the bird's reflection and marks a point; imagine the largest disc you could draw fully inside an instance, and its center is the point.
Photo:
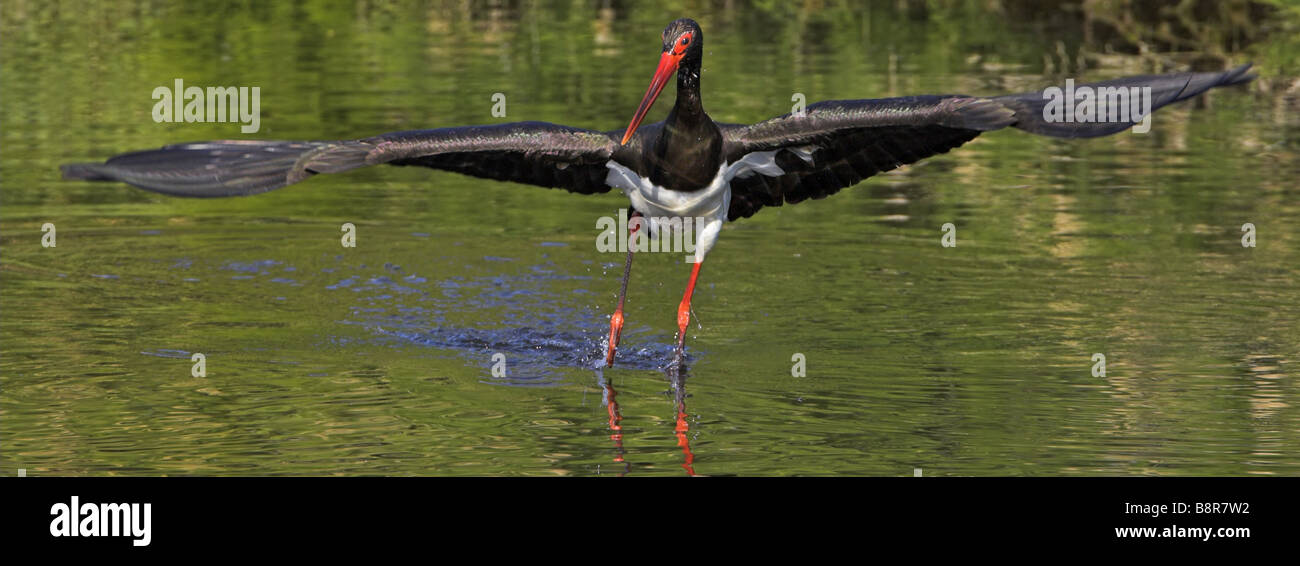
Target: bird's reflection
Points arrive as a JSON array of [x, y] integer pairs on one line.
[[681, 429], [615, 422]]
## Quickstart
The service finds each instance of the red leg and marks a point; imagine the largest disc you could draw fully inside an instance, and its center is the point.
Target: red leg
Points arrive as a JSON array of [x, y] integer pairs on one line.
[[684, 315], [616, 321]]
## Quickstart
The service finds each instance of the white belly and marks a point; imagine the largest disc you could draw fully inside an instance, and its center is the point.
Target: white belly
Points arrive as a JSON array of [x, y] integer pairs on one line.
[[709, 204]]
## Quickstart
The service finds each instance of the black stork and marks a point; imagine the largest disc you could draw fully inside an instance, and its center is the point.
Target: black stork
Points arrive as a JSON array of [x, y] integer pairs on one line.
[[686, 167]]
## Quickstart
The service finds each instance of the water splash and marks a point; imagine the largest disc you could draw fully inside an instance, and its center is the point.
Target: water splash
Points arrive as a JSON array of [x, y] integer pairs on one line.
[[537, 327]]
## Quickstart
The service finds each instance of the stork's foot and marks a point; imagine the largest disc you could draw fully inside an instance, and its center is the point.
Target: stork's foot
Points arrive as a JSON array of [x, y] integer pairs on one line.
[[615, 333]]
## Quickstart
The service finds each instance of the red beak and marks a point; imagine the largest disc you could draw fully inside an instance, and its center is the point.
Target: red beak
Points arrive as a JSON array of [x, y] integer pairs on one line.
[[667, 68]]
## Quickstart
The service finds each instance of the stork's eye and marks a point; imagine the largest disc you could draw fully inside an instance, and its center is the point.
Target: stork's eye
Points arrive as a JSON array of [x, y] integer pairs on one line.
[[685, 40]]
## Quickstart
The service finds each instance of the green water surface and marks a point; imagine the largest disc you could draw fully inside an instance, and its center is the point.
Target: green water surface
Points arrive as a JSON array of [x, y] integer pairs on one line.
[[971, 360]]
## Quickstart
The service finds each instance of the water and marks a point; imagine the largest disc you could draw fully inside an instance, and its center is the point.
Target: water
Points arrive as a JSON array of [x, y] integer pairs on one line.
[[973, 360]]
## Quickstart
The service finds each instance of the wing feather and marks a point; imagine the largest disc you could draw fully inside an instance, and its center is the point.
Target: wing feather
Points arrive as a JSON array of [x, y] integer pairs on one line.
[[850, 140], [535, 153]]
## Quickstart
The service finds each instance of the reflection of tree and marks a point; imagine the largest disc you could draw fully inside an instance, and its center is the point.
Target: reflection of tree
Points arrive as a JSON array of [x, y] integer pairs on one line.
[[1205, 28]]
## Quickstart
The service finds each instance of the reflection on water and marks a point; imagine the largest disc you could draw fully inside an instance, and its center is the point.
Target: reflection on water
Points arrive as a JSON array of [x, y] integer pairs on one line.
[[380, 359], [681, 428]]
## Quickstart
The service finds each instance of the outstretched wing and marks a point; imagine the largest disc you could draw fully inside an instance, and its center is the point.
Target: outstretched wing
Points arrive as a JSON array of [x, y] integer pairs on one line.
[[838, 143], [1164, 90], [534, 153]]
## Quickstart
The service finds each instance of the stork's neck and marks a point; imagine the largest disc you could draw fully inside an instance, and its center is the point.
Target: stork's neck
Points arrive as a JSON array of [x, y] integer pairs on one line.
[[689, 149], [688, 105]]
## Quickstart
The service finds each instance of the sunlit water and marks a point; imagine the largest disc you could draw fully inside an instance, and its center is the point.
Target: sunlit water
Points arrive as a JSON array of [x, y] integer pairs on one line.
[[378, 359]]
